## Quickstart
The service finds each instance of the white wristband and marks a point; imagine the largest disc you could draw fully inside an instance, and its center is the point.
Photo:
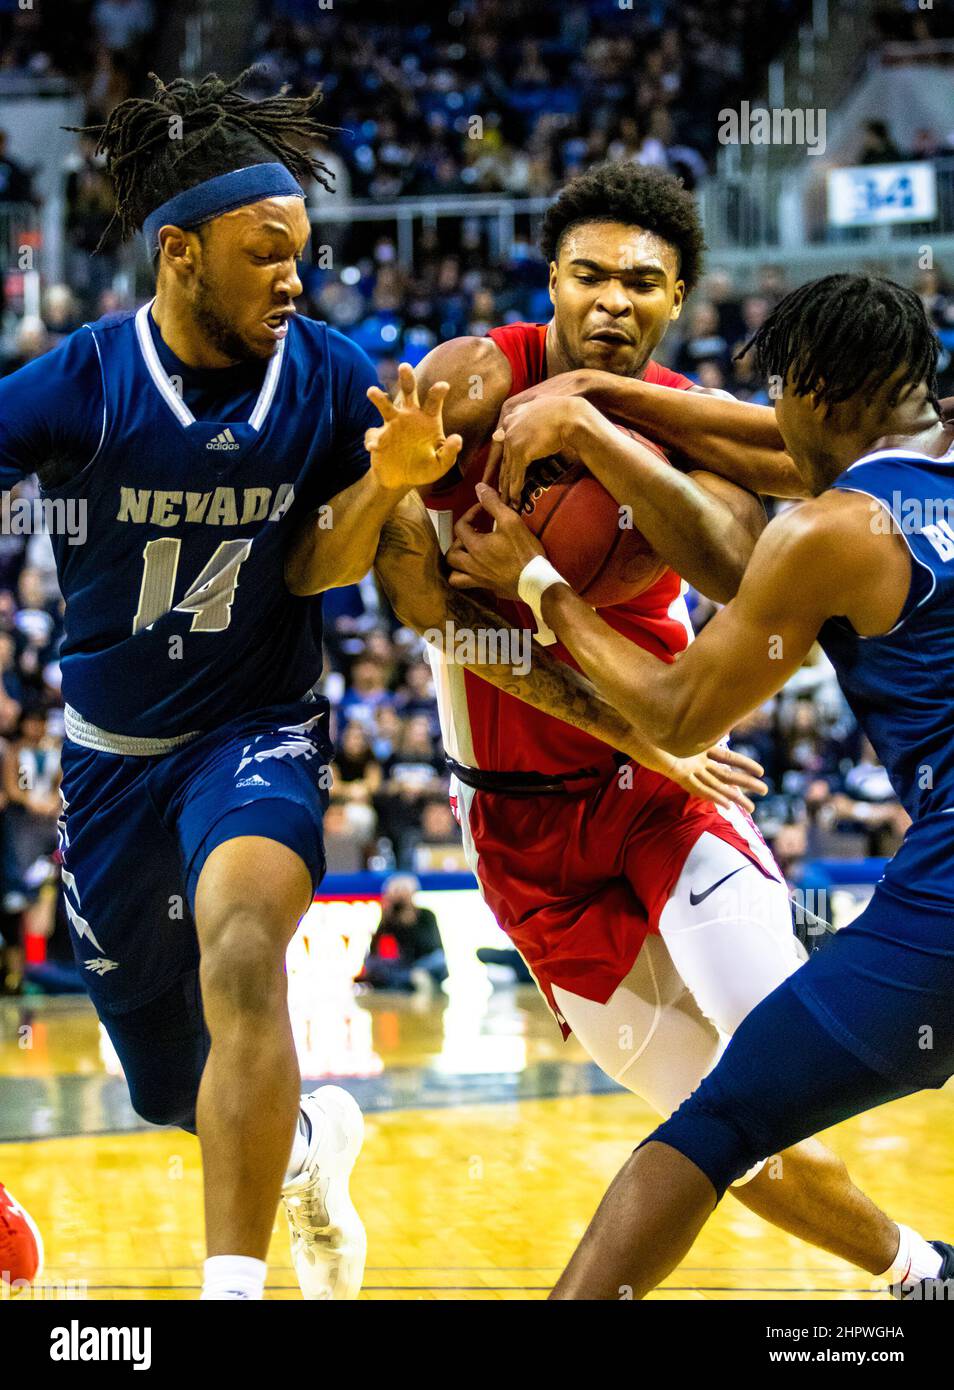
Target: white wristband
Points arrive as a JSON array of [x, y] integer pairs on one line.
[[536, 577]]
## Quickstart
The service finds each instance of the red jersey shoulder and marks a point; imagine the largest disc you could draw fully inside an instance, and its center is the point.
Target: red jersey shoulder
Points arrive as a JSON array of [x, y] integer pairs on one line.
[[524, 346], [662, 376]]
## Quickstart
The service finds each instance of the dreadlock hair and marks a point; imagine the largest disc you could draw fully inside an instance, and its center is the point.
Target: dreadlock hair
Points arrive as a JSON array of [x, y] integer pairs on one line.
[[217, 130], [637, 195], [847, 335]]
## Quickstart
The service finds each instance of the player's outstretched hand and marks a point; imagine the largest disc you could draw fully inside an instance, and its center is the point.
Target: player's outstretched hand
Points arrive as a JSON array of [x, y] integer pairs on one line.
[[720, 775], [410, 448], [491, 559]]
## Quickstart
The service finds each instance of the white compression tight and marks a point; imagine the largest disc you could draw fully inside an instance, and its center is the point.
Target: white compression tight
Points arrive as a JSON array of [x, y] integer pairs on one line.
[[667, 1023]]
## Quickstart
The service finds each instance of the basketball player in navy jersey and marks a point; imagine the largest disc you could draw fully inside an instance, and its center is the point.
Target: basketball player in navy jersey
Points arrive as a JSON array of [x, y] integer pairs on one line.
[[194, 434], [867, 568], [215, 444]]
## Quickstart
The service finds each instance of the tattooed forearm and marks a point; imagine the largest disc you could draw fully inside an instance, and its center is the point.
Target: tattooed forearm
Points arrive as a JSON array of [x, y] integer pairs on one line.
[[401, 535], [410, 568], [549, 685]]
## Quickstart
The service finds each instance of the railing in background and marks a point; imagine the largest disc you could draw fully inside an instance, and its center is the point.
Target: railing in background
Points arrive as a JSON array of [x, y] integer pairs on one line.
[[762, 214], [780, 208], [492, 216], [760, 217], [818, 68]]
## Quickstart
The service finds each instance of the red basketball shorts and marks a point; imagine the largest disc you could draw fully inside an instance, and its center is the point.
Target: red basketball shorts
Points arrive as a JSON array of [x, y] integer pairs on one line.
[[577, 881]]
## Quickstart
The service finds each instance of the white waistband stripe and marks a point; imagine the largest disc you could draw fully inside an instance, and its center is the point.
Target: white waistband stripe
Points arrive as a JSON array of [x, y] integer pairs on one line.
[[87, 735]]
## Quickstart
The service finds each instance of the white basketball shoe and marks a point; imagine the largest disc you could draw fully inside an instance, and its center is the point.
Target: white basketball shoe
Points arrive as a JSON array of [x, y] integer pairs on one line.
[[328, 1240]]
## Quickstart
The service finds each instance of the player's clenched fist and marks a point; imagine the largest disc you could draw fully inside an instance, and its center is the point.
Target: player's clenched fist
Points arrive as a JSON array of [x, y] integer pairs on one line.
[[409, 449], [491, 559]]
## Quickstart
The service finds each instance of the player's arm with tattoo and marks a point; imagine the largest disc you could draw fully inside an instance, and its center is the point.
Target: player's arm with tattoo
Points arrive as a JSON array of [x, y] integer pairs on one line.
[[410, 568], [700, 524]]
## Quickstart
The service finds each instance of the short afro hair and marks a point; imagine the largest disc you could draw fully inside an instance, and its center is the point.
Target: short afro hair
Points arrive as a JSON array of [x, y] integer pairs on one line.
[[638, 195]]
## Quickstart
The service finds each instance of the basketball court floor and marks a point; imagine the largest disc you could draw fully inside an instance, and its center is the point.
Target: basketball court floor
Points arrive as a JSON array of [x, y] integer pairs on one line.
[[489, 1143]]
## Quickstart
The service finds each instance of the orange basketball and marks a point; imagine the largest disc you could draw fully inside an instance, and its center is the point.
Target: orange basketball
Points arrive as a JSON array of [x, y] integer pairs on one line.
[[585, 530]]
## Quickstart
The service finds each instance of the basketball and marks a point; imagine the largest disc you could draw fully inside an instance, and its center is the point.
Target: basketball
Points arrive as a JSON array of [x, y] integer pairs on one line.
[[588, 536]]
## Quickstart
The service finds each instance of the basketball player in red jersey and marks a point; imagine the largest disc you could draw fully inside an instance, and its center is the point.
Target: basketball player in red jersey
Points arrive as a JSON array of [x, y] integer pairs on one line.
[[652, 922]]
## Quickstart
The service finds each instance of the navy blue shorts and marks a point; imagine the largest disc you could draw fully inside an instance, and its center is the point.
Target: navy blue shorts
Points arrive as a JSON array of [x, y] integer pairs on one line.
[[867, 1020], [137, 831]]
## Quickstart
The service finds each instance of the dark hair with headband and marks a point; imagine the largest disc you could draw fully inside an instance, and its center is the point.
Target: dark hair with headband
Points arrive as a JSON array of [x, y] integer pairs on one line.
[[188, 133]]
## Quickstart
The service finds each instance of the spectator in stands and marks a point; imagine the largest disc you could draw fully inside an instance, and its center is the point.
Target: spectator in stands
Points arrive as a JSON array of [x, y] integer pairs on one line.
[[439, 844], [344, 847], [16, 183], [877, 146], [89, 211], [37, 628], [357, 780], [122, 25], [771, 282], [868, 804], [11, 688], [413, 775], [31, 781], [32, 341], [936, 297], [61, 313], [718, 288], [416, 696], [406, 952], [704, 341], [387, 732], [367, 692], [379, 647]]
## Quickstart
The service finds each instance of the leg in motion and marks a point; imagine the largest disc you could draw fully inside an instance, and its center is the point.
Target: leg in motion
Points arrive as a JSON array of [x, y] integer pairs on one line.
[[250, 895], [750, 1106]]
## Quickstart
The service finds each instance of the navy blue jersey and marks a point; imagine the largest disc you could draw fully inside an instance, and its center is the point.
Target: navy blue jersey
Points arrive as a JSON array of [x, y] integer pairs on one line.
[[177, 614], [900, 685]]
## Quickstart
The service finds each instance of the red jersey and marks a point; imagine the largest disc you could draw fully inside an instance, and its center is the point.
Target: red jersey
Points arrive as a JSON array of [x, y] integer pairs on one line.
[[485, 727]]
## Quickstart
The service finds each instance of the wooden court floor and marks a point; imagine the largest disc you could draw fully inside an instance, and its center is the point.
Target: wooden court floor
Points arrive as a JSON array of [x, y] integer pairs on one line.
[[488, 1145]]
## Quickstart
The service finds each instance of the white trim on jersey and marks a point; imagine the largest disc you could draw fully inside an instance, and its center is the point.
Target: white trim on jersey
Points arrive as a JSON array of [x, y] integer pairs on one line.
[[269, 387], [679, 611], [102, 433], [863, 492], [901, 454], [449, 688], [171, 396], [156, 370]]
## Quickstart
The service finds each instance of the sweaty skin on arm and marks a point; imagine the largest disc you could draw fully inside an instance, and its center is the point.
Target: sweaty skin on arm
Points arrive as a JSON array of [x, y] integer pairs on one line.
[[701, 525], [322, 558], [817, 561], [479, 376], [803, 571], [735, 439], [704, 527]]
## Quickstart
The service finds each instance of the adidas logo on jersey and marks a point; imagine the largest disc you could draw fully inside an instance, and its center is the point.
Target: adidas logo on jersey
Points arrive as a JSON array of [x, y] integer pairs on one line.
[[225, 440], [254, 781]]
